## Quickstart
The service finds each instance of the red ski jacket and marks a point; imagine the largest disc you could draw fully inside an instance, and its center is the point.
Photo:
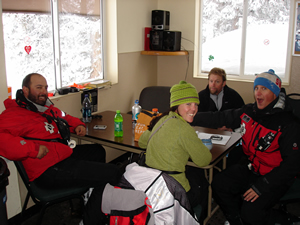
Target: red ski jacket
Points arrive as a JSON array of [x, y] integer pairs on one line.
[[263, 160], [17, 124]]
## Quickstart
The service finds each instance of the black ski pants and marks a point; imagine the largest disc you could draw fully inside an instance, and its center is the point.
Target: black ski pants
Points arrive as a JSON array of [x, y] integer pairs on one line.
[[228, 189], [86, 167]]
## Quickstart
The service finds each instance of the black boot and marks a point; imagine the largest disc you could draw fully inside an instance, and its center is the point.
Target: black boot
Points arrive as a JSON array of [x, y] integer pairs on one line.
[[234, 220]]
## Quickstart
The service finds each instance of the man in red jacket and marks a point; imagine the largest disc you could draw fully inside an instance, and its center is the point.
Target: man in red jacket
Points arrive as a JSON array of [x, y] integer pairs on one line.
[[35, 132]]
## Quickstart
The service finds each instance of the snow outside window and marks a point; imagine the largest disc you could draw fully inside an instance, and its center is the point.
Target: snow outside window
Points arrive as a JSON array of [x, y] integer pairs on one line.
[[245, 37], [63, 43]]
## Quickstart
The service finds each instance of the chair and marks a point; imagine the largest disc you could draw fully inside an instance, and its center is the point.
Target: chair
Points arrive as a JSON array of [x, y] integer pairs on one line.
[[155, 97], [46, 197], [293, 101], [292, 195]]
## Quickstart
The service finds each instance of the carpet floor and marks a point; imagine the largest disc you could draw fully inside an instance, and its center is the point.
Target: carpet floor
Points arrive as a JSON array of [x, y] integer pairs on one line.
[[60, 214]]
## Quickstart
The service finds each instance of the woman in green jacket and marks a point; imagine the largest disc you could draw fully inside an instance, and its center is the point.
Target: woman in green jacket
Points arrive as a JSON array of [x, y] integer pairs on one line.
[[171, 142]]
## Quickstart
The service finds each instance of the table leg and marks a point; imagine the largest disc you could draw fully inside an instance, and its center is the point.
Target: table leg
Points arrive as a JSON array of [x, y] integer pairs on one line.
[[224, 162], [211, 211], [210, 177]]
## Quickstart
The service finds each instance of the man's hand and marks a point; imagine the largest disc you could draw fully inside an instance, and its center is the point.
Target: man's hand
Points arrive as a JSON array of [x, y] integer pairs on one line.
[[250, 195], [43, 150], [80, 130], [225, 129]]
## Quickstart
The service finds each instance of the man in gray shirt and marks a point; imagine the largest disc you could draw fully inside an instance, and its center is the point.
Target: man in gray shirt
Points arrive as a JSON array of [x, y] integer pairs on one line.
[[218, 96]]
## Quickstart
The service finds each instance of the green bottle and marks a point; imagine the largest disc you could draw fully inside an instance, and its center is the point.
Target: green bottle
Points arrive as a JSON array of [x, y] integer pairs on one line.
[[118, 124]]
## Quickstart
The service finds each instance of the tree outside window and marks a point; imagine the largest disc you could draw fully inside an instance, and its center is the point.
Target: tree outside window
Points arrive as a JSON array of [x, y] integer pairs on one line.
[[245, 37]]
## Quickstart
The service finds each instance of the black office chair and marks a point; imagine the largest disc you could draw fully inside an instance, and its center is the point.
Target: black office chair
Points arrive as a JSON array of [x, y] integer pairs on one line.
[[155, 97], [291, 196], [46, 197], [293, 102]]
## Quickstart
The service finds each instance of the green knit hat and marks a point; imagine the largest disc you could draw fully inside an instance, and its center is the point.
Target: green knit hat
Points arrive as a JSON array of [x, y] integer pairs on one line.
[[183, 93]]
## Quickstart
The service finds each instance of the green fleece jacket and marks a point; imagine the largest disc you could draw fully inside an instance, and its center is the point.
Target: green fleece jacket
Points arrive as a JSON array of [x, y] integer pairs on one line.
[[172, 145]]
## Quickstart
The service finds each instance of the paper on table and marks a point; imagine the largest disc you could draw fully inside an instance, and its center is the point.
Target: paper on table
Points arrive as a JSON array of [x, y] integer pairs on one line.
[[225, 138]]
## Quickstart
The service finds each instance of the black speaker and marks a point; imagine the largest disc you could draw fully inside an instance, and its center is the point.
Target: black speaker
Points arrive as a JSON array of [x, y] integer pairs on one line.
[[156, 39], [171, 40], [160, 20]]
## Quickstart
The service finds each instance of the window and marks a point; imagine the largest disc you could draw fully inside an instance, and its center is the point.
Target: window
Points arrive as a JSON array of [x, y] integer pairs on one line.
[[244, 37], [61, 39]]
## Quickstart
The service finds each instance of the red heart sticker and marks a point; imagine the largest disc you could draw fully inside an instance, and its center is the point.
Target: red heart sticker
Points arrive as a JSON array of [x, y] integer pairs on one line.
[[27, 49]]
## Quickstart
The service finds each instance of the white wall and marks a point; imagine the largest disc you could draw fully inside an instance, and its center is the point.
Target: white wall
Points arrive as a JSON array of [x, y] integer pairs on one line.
[[133, 17], [13, 193], [3, 84], [182, 18]]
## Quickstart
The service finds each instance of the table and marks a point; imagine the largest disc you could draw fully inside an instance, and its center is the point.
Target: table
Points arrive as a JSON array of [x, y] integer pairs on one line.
[[107, 138], [218, 152], [126, 143]]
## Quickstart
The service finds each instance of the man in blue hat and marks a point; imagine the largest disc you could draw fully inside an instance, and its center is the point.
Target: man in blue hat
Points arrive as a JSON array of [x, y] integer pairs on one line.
[[247, 192]]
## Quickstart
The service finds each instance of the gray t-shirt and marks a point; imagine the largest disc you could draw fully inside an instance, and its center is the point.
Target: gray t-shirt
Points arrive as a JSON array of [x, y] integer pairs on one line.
[[218, 99]]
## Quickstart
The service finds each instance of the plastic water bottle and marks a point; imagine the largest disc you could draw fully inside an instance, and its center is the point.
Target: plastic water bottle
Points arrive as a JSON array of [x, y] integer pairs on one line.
[[86, 109], [136, 109], [118, 124]]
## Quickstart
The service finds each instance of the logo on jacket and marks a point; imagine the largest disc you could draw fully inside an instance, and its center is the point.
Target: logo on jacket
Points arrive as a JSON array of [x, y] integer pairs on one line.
[[243, 129], [295, 146], [246, 118], [49, 127]]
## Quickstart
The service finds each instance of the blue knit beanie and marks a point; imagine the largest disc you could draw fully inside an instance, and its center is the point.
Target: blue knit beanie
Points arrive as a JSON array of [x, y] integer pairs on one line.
[[269, 80]]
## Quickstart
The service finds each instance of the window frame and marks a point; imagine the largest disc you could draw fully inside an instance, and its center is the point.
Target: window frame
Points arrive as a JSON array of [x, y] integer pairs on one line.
[[244, 78], [56, 43], [54, 12]]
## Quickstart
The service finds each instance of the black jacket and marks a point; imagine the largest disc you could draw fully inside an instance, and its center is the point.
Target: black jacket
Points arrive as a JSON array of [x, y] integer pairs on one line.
[[231, 100], [271, 117]]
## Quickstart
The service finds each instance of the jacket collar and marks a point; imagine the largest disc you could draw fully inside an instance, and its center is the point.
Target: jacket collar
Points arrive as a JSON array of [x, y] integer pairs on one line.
[[42, 108], [24, 102]]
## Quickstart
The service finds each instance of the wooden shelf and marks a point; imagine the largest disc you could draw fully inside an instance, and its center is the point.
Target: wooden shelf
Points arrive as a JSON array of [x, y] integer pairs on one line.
[[165, 53]]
